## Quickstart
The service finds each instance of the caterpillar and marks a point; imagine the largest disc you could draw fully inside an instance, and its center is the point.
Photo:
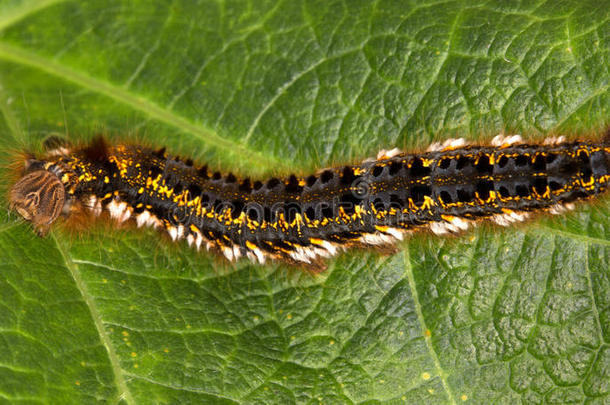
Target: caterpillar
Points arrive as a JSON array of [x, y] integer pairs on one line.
[[307, 219]]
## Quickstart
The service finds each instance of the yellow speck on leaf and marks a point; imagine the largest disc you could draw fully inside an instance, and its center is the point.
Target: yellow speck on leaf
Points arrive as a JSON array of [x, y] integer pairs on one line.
[[425, 376], [464, 397]]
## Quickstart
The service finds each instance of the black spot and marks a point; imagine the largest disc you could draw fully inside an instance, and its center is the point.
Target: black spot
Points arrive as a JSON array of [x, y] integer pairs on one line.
[[178, 188], [417, 168], [231, 178], [326, 176], [539, 163], [504, 193], [203, 172], [254, 212], [347, 175], [205, 198], [396, 201], [155, 171], [194, 190], [554, 185], [160, 153], [522, 190], [445, 197], [483, 188], [483, 165], [257, 185], [311, 180], [293, 185], [189, 162], [237, 208], [550, 158], [291, 210], [377, 170], [245, 186], [268, 214], [328, 212], [521, 160], [419, 192], [463, 161], [272, 183], [465, 195], [586, 171], [310, 213], [583, 157], [395, 167], [216, 176], [444, 163], [218, 205], [540, 185], [503, 161]]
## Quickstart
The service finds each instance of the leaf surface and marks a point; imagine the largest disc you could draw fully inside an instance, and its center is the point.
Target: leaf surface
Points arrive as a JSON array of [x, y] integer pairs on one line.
[[268, 87]]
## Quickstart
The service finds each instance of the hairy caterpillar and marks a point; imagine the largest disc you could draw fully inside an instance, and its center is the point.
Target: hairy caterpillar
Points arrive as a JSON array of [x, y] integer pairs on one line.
[[303, 220]]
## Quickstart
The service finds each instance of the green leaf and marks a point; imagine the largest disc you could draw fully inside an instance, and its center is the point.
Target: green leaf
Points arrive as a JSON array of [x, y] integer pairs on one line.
[[261, 87]]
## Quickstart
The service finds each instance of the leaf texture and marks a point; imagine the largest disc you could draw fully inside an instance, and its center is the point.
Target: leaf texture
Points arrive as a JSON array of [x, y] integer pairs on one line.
[[265, 87]]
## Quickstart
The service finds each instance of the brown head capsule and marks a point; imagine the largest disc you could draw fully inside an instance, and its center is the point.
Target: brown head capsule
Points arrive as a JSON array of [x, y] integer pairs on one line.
[[39, 198]]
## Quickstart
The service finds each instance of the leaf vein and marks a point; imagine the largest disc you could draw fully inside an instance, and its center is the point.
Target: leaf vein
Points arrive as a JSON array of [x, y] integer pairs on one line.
[[72, 267], [422, 322]]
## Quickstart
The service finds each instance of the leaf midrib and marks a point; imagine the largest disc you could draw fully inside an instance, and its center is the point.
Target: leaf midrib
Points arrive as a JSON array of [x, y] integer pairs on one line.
[[137, 103], [19, 13]]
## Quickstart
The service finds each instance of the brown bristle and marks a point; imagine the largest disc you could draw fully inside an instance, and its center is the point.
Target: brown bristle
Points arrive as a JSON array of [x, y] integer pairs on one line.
[[97, 150]]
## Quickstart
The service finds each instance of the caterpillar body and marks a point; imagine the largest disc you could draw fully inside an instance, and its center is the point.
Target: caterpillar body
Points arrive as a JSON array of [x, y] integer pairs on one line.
[[306, 219]]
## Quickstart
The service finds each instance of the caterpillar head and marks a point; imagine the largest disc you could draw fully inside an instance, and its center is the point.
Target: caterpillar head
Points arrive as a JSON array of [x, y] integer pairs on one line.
[[39, 198]]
